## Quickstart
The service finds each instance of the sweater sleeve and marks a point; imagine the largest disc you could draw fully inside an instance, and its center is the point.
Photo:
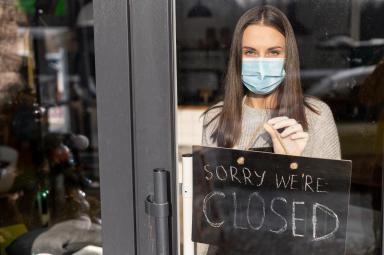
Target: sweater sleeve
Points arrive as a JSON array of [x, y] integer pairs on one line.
[[209, 129], [204, 138], [325, 139]]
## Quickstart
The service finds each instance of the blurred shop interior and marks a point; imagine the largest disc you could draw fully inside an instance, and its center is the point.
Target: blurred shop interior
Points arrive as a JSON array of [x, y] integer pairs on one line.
[[341, 47], [49, 175]]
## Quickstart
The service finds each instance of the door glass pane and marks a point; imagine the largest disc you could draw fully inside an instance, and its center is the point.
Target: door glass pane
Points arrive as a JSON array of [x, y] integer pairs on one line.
[[341, 58], [49, 175]]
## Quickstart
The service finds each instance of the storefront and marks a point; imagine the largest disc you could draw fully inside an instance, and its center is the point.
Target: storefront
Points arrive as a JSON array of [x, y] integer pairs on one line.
[[96, 95]]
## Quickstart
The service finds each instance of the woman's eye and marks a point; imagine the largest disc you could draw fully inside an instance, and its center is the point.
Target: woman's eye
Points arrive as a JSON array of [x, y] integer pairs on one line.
[[275, 53], [248, 52]]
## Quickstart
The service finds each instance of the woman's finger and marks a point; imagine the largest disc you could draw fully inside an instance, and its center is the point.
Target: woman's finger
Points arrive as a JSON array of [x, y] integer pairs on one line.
[[270, 131], [284, 123], [299, 135], [276, 119], [292, 129], [277, 146]]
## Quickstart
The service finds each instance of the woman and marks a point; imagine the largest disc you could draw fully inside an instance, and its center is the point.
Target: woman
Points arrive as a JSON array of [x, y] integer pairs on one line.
[[263, 104]]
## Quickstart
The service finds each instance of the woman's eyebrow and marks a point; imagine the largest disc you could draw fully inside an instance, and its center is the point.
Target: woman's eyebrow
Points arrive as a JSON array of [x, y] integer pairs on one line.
[[249, 48], [275, 48], [271, 48]]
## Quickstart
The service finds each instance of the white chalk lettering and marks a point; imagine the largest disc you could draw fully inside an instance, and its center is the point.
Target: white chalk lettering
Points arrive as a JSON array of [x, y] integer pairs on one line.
[[328, 211], [255, 194], [284, 227], [293, 176], [205, 201], [233, 175], [308, 182], [294, 219], [255, 215], [210, 174], [247, 177], [318, 185], [217, 173], [235, 213], [261, 177], [285, 183]]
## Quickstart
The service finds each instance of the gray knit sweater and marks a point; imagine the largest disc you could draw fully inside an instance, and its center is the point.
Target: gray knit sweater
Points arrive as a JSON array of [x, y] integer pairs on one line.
[[323, 139]]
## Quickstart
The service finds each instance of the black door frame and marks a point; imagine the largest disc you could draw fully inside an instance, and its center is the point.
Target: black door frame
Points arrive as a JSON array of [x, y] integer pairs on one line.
[[136, 117]]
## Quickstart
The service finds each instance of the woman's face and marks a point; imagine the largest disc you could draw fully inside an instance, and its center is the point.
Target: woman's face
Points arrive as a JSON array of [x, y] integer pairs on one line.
[[261, 41]]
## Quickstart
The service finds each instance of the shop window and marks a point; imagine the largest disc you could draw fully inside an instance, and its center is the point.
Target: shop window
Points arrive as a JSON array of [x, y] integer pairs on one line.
[[341, 50]]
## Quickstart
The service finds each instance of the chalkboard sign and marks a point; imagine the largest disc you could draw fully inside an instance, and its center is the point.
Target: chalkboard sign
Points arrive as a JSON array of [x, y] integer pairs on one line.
[[249, 202]]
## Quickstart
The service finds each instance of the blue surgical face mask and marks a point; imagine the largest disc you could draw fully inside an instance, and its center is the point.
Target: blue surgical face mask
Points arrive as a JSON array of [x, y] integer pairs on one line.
[[262, 75]]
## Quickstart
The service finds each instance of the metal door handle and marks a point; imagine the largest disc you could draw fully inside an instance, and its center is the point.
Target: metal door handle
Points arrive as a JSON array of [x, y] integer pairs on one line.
[[157, 206]]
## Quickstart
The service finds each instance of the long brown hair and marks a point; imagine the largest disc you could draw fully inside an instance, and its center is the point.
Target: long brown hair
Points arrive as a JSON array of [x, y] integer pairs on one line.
[[290, 99]]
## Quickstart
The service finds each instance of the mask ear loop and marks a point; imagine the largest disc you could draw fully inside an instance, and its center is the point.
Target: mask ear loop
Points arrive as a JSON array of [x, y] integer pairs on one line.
[[257, 132]]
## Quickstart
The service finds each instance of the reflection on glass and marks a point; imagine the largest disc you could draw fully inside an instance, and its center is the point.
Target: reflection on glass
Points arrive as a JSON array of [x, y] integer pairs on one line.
[[49, 181], [341, 48]]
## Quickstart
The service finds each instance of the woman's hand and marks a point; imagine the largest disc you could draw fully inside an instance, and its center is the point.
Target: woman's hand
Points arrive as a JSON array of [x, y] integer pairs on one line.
[[293, 136]]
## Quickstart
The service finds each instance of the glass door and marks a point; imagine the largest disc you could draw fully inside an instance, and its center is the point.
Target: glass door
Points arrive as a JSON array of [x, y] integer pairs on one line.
[[341, 51]]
